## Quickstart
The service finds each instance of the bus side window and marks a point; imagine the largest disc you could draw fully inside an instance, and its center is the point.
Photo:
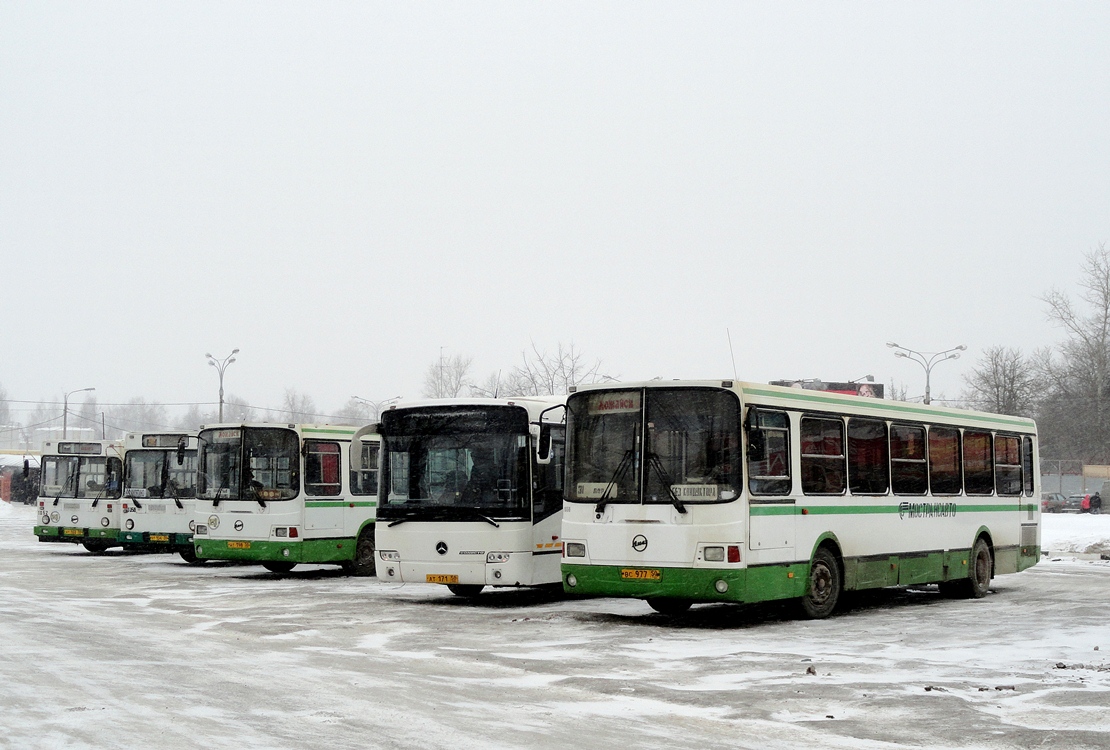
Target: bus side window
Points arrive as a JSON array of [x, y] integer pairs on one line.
[[1007, 465], [768, 452], [944, 461], [365, 480], [868, 465], [822, 443], [321, 468], [547, 497], [909, 474], [978, 469], [1027, 464]]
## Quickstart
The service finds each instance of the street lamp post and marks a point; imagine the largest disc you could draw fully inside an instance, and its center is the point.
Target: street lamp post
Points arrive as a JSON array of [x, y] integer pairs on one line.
[[926, 359], [221, 365], [376, 405], [65, 410]]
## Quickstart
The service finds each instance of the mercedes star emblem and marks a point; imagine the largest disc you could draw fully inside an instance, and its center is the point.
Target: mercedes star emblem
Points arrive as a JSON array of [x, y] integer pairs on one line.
[[441, 548]]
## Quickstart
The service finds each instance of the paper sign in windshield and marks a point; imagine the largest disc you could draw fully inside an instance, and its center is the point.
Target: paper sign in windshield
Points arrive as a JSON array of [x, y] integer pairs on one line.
[[694, 492], [625, 402], [594, 490]]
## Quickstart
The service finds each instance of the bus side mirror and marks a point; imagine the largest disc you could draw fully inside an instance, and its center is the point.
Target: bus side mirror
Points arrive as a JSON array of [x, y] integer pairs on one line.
[[542, 434], [181, 451], [26, 468]]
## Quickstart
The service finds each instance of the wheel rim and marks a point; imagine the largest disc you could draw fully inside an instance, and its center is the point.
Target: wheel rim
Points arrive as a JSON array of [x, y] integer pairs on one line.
[[983, 568], [820, 583]]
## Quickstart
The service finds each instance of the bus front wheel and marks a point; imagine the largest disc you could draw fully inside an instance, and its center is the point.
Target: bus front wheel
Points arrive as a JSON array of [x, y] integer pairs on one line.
[[669, 606], [278, 566], [94, 546], [823, 586], [465, 589]]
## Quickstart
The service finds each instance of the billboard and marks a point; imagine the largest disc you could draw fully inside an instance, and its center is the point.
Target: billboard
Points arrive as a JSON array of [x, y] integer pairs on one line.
[[865, 389]]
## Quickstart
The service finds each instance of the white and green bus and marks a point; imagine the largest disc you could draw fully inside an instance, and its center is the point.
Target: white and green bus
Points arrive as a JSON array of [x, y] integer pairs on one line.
[[159, 493], [79, 491], [721, 491], [472, 492], [280, 495]]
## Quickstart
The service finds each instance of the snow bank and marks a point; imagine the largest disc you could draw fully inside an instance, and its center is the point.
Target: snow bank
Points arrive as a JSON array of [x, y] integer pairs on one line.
[[1076, 533]]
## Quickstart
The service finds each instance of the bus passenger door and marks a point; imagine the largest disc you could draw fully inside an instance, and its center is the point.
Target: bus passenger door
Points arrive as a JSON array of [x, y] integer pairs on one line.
[[323, 486], [547, 507]]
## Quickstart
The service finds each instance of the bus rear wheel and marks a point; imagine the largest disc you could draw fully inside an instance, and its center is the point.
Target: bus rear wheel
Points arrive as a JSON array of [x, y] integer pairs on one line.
[[189, 555], [669, 606], [363, 564], [823, 586], [95, 546], [978, 580], [278, 566], [465, 589]]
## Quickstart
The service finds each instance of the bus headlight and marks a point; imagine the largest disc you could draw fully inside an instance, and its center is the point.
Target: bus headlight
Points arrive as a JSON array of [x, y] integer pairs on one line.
[[199, 528], [575, 549], [213, 522], [192, 525], [721, 586], [45, 520], [497, 557], [713, 554], [55, 517], [130, 524], [572, 581], [104, 522], [389, 555]]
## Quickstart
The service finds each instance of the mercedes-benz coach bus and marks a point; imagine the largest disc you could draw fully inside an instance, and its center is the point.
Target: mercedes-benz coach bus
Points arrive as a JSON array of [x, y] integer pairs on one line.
[[280, 495], [472, 492], [159, 493], [717, 491], [79, 493]]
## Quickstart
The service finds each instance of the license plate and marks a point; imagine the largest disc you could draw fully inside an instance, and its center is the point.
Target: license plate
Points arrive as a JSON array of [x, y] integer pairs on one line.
[[432, 578], [73, 532], [641, 574], [238, 545], [159, 537]]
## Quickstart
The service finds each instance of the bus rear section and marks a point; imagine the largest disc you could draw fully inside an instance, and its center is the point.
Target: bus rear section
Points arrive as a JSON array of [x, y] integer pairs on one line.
[[79, 493], [159, 493], [472, 493], [716, 491], [284, 495]]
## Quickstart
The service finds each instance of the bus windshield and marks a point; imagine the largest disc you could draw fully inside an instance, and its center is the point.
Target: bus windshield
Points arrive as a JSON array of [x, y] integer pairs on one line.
[[455, 463], [156, 473], [661, 445], [78, 477], [250, 463]]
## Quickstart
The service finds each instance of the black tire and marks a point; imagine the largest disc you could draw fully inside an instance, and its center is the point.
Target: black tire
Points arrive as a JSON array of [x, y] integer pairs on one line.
[[95, 546], [980, 567], [465, 589], [669, 606], [189, 555], [823, 586], [365, 552], [278, 566]]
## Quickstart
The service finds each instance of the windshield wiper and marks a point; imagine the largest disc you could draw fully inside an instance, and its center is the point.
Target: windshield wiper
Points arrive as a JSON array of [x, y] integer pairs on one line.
[[135, 501], [622, 468], [487, 519], [655, 463]]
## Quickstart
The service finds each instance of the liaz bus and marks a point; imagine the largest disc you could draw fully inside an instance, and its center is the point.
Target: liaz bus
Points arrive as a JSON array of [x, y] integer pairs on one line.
[[280, 495], [79, 493], [720, 491], [159, 493], [472, 493]]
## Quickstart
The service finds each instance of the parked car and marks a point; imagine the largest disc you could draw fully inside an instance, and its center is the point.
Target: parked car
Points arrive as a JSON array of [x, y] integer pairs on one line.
[[1074, 503], [1052, 502]]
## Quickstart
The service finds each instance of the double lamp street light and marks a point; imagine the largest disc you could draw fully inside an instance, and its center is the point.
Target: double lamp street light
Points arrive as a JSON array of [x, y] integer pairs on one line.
[[65, 410], [926, 359], [221, 365]]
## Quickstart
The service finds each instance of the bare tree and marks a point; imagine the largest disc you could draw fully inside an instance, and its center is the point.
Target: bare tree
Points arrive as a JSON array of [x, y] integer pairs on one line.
[[542, 373], [897, 392], [137, 415], [236, 409], [298, 407], [1004, 382], [1075, 415], [447, 378], [5, 411]]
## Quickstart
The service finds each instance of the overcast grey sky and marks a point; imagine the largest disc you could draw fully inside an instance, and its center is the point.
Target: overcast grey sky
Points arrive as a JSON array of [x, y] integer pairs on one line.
[[341, 189]]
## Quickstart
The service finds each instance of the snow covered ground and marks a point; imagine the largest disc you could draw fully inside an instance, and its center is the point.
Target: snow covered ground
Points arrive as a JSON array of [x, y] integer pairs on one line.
[[144, 651]]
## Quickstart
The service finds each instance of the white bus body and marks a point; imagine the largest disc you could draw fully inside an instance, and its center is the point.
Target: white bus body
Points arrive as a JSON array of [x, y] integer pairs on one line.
[[286, 494], [79, 491], [709, 491], [159, 492], [466, 500]]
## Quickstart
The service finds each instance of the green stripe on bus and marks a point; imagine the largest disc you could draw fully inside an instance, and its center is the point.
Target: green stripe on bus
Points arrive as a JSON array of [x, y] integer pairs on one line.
[[825, 510], [340, 503], [895, 406]]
